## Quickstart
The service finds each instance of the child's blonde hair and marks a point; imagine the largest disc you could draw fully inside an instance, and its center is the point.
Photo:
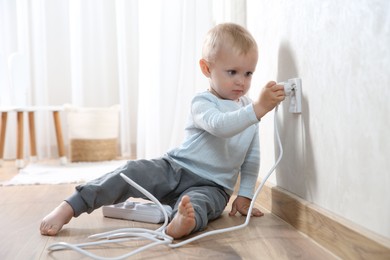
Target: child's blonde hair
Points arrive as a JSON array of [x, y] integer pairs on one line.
[[227, 33]]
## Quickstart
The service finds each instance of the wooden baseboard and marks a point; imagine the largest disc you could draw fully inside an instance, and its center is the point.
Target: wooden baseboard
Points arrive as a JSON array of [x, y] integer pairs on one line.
[[341, 237]]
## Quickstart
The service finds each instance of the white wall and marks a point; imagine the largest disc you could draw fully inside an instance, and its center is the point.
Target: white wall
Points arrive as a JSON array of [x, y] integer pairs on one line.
[[337, 152]]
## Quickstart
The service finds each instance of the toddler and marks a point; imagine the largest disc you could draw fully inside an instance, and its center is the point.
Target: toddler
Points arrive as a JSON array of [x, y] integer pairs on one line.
[[222, 143]]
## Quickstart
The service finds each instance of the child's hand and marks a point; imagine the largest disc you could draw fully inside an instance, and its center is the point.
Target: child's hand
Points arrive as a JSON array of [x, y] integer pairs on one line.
[[270, 96], [241, 204]]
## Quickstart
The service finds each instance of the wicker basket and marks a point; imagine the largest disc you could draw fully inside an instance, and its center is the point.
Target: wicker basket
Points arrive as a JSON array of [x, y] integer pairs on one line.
[[83, 150], [93, 133]]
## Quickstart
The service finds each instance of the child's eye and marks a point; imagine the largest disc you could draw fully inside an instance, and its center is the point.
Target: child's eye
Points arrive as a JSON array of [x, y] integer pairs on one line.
[[249, 73], [231, 72]]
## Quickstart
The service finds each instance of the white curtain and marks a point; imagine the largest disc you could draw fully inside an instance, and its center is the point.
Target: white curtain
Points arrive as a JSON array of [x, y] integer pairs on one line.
[[141, 54]]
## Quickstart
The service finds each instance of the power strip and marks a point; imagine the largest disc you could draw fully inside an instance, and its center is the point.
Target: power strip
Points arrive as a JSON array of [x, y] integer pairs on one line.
[[137, 211]]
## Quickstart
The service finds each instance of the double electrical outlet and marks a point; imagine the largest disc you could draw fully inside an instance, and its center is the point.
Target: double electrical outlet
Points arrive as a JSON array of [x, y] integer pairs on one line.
[[293, 90]]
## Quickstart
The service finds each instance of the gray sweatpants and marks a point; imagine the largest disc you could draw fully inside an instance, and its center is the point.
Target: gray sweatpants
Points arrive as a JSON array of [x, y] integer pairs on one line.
[[167, 181]]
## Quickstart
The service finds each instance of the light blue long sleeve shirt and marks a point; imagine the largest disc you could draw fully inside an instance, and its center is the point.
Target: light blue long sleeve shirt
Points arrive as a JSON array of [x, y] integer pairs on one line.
[[221, 143]]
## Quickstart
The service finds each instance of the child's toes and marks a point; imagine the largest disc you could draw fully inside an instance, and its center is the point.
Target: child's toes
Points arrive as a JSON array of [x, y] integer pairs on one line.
[[48, 229]]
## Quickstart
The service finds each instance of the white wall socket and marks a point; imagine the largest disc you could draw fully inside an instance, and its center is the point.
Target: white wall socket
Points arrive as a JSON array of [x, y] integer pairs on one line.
[[293, 90]]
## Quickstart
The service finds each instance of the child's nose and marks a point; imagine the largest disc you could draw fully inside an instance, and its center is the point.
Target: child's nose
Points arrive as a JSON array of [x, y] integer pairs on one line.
[[240, 80]]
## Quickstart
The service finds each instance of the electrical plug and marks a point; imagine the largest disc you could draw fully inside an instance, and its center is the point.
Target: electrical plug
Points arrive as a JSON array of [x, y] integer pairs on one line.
[[293, 90]]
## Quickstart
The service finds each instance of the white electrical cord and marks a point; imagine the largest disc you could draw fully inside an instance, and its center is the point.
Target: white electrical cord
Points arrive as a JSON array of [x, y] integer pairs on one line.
[[158, 236]]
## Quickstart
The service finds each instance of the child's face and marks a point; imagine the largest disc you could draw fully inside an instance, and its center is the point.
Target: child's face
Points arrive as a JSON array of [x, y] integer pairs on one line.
[[231, 73]]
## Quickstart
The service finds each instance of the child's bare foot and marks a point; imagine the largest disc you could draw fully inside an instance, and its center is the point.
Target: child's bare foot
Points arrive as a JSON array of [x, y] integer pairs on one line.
[[53, 222], [184, 221]]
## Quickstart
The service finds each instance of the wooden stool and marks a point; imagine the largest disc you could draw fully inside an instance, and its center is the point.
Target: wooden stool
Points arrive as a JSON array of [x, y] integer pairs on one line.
[[4, 115], [31, 122]]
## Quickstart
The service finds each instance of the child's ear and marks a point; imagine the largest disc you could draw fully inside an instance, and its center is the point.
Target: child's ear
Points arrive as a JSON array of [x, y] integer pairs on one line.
[[205, 67]]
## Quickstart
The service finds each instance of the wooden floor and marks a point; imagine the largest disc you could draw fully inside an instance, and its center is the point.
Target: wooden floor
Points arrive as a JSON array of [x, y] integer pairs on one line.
[[23, 207]]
